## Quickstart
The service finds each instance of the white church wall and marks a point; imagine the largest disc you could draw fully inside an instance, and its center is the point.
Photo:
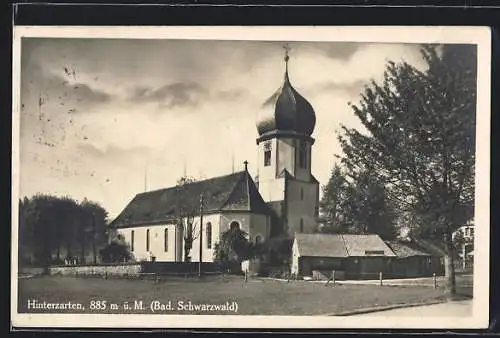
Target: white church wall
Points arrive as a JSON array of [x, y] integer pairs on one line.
[[207, 252], [156, 242], [301, 205]]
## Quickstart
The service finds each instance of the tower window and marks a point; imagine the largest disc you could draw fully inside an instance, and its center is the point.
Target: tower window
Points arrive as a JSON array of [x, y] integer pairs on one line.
[[301, 193], [209, 235], [258, 239], [267, 158], [301, 225], [267, 154], [303, 155], [147, 240], [165, 244]]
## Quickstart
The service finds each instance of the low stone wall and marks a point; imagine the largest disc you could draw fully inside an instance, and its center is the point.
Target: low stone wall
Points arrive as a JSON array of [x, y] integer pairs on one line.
[[102, 270]]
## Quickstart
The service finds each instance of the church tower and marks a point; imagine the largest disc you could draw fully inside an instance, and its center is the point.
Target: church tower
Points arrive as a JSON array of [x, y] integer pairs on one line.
[[285, 124]]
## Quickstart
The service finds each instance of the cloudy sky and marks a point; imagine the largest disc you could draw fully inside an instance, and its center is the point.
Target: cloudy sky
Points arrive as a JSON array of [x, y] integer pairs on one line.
[[96, 114]]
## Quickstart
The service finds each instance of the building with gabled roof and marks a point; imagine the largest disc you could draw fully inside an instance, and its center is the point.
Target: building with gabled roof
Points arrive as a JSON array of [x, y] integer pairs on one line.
[[150, 222], [351, 256], [284, 200], [414, 259]]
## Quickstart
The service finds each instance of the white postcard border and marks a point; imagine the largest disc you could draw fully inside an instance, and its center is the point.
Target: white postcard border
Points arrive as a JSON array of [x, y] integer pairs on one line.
[[474, 35]]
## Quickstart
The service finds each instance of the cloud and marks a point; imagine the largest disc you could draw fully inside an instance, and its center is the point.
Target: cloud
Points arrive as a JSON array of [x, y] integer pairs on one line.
[[352, 89], [179, 94], [66, 90], [110, 152]]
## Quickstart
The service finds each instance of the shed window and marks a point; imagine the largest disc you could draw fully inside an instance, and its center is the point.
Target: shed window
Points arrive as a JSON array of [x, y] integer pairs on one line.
[[209, 235], [374, 252]]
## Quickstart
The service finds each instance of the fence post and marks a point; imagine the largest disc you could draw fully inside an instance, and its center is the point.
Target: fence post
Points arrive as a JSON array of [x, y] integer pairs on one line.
[[380, 278], [435, 280]]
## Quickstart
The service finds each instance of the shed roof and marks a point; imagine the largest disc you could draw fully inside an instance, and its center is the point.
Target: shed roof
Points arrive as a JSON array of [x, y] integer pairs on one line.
[[341, 245], [403, 250], [321, 245], [234, 192]]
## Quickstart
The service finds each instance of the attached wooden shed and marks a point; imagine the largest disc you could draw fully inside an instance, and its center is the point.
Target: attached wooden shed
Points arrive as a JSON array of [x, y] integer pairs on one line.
[[351, 256]]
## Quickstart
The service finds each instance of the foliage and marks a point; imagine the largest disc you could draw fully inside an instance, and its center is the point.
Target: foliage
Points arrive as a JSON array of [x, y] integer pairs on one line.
[[234, 246], [186, 208], [331, 204], [59, 226], [420, 139], [367, 207], [115, 252], [358, 204]]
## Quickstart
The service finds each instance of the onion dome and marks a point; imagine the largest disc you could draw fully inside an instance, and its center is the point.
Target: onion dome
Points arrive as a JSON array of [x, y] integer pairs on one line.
[[286, 111]]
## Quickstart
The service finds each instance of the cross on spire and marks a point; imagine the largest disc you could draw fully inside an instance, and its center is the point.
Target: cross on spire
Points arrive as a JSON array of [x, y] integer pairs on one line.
[[287, 49]]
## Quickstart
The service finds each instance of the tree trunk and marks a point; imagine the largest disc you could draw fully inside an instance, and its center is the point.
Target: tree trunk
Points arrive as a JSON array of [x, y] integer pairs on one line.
[[449, 266]]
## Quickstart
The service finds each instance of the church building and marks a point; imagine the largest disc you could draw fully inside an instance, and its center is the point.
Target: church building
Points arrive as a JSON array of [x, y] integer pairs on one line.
[[282, 201]]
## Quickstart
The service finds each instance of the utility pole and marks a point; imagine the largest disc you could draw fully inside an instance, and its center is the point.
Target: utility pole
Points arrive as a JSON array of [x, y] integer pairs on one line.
[[201, 236], [93, 238]]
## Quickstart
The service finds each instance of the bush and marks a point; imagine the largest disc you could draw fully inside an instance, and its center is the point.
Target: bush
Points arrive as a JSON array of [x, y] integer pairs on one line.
[[115, 252]]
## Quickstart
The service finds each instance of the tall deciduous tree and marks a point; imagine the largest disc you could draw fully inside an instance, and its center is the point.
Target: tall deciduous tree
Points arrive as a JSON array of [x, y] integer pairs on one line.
[[420, 140], [186, 209], [49, 225]]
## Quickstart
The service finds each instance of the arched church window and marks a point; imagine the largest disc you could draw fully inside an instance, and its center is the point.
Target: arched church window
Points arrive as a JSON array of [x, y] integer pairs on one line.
[[234, 225], [132, 240], [258, 239], [147, 240], [301, 225], [165, 244], [303, 154], [267, 154], [209, 235]]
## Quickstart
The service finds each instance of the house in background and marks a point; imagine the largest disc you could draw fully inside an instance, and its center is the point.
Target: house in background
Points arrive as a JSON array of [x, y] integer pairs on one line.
[[464, 237], [351, 256]]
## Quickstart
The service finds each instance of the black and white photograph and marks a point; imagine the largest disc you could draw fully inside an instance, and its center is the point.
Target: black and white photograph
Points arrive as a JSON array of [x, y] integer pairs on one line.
[[272, 177]]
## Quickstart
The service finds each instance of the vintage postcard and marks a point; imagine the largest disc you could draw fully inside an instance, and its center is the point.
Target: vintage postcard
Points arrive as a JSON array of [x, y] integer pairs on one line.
[[250, 177]]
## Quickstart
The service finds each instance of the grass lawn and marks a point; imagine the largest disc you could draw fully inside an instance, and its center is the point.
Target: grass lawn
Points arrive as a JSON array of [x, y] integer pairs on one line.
[[257, 297]]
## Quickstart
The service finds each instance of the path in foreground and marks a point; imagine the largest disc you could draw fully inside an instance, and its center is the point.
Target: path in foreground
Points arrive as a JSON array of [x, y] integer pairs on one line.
[[450, 309]]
